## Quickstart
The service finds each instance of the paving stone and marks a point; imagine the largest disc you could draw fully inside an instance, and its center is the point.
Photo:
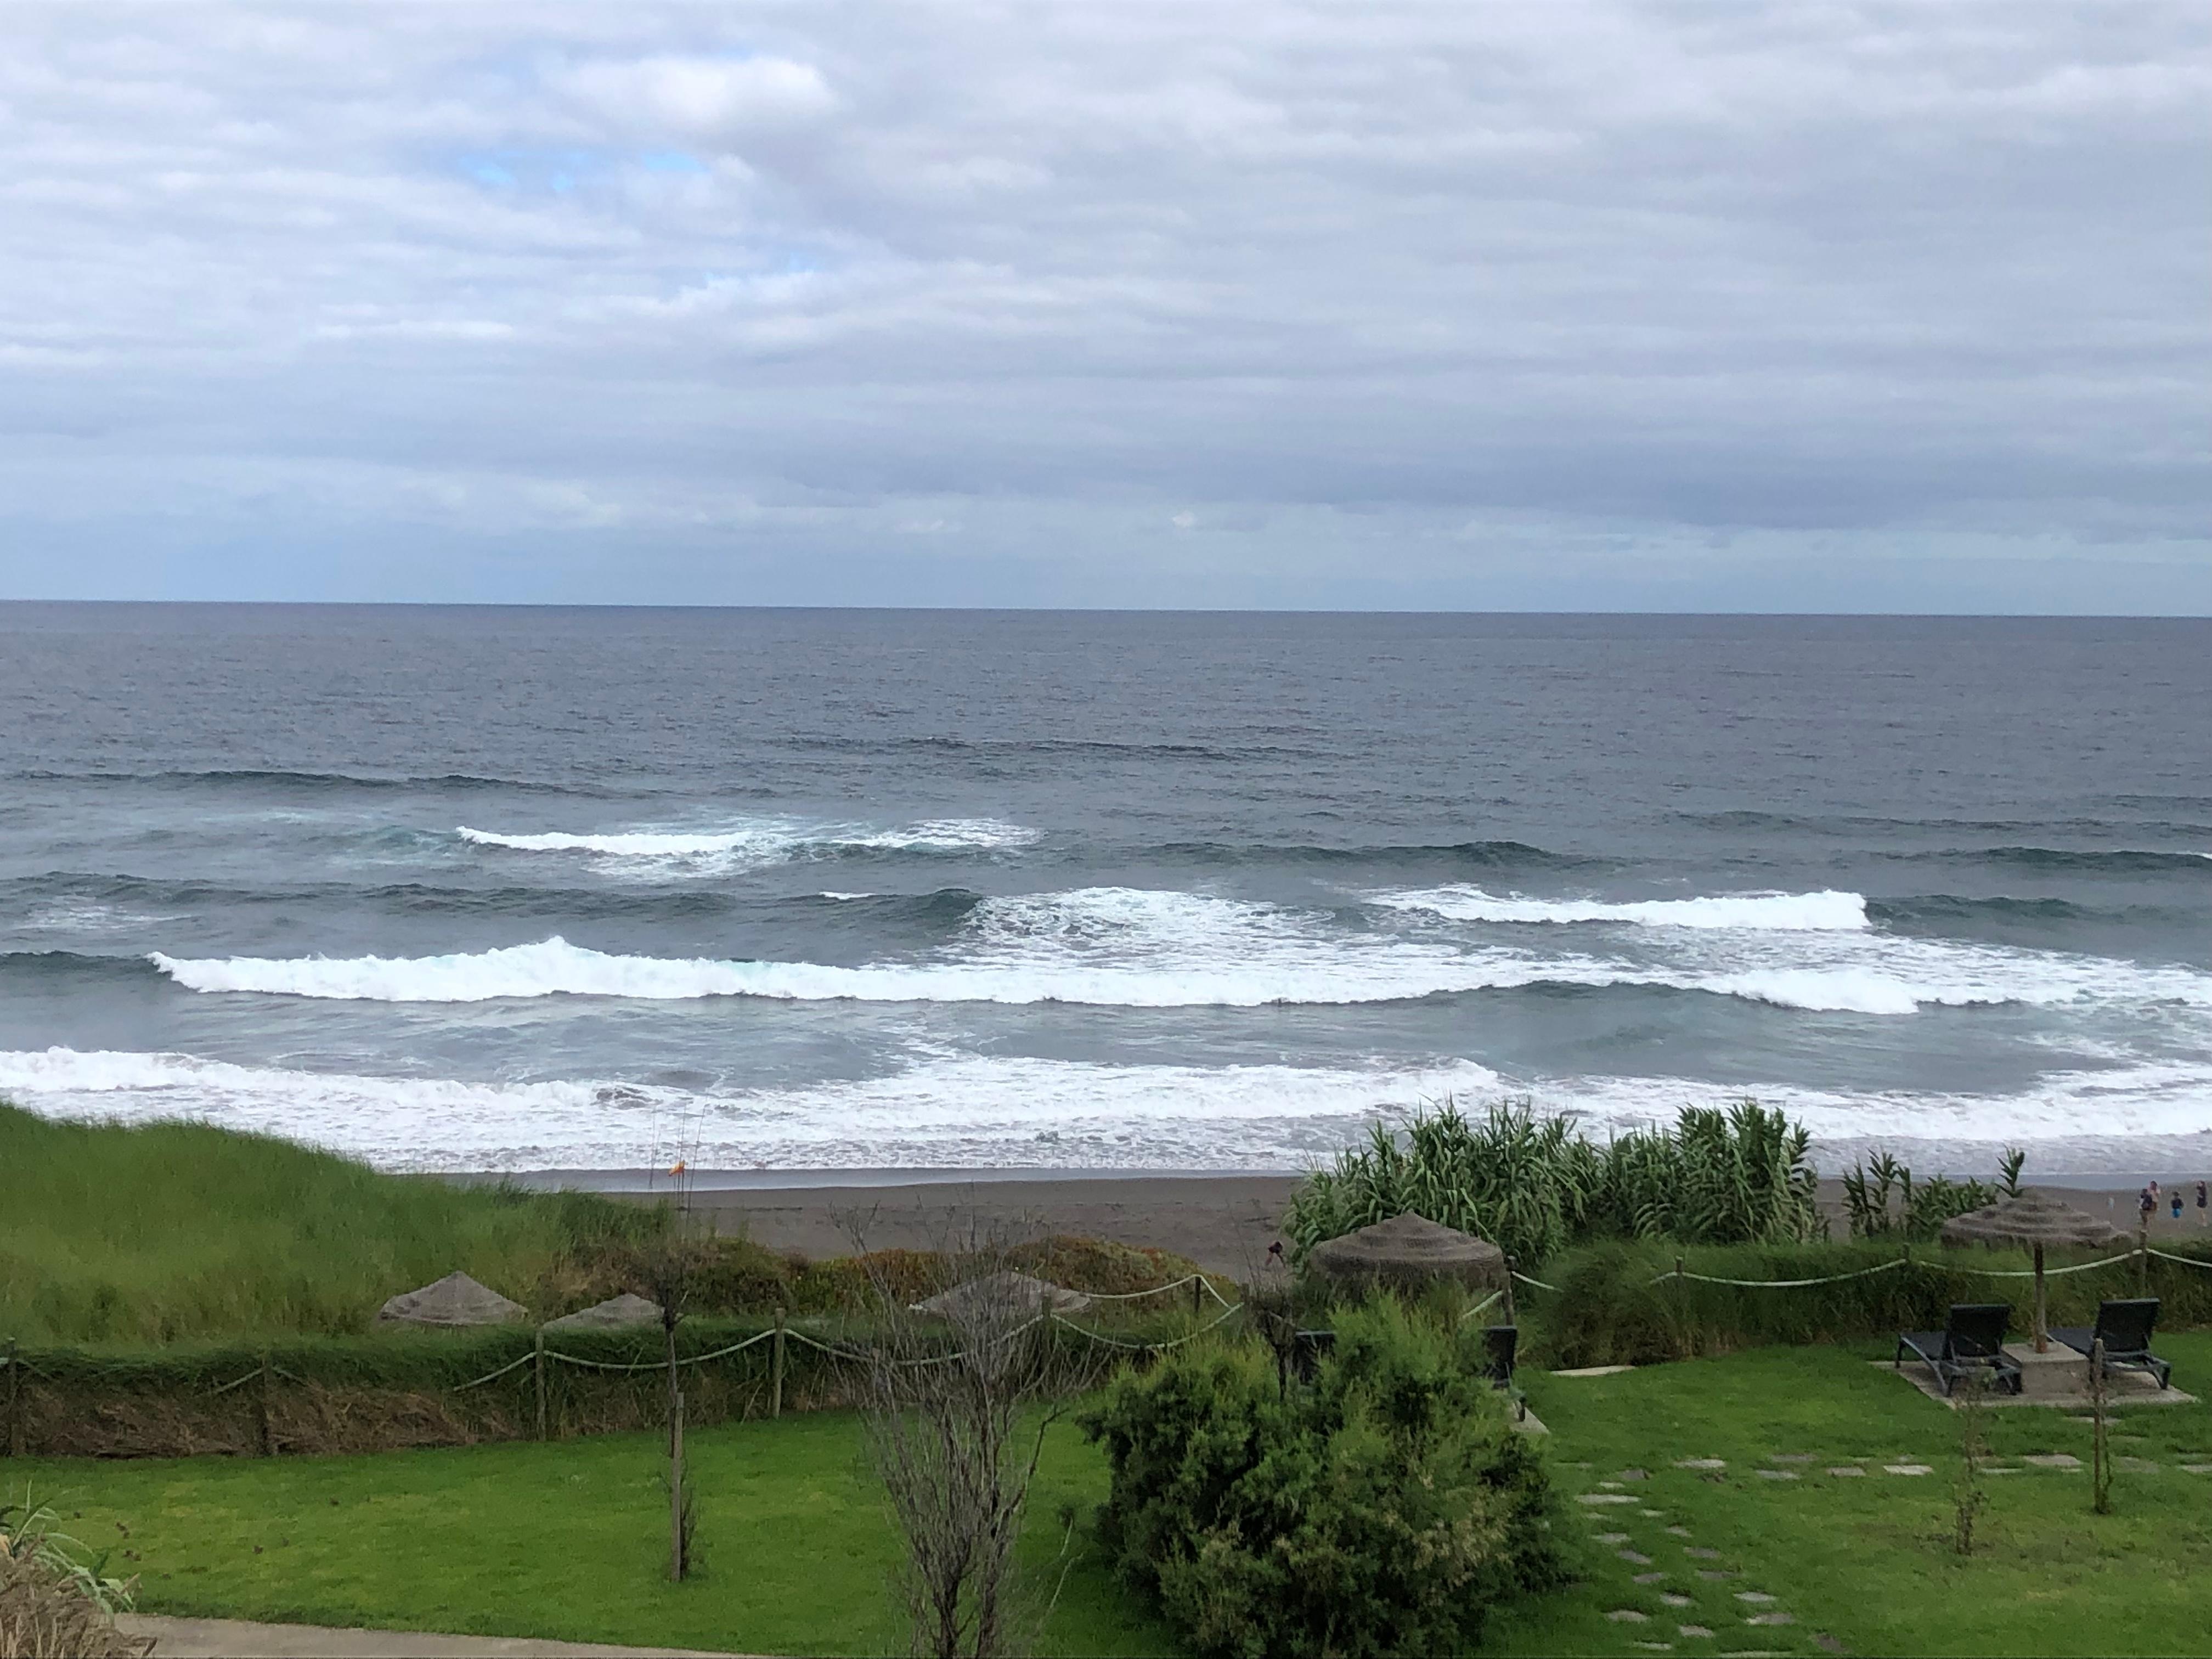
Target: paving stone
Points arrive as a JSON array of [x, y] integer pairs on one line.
[[1771, 1618], [2001, 1470], [2138, 1466], [1679, 1532], [1908, 1468], [1613, 1538], [1791, 1457], [1828, 1644], [1633, 1475], [1610, 1486], [1712, 1577], [1700, 1553], [1780, 1474], [2054, 1460], [1674, 1601], [1657, 1514], [1654, 1647], [1635, 1556], [1701, 1462], [1605, 1497], [1628, 1616], [1651, 1578], [1754, 1597], [2196, 1468], [1692, 1629]]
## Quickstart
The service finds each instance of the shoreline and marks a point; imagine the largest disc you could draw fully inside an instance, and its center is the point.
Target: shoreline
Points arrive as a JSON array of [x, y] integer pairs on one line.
[[1224, 1221]]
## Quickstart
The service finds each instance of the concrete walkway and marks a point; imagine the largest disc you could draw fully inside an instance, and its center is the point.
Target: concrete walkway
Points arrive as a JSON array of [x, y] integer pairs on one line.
[[237, 1639]]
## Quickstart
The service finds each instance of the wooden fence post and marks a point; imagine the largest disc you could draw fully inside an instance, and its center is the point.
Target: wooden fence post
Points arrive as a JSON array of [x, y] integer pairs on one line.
[[1197, 1296], [2142, 1257], [775, 1369], [261, 1410], [13, 1439], [1510, 1319], [539, 1372]]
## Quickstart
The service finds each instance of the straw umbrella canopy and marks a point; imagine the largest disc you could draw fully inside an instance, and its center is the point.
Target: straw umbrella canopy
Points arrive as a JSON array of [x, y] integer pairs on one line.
[[2033, 1219], [611, 1315], [1409, 1251], [455, 1300]]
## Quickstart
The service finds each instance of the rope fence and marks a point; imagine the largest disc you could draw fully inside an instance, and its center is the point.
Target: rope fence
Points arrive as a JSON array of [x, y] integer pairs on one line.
[[2140, 1252]]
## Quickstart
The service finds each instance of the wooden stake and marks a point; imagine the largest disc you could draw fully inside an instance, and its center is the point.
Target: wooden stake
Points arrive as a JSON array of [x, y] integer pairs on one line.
[[2100, 1496], [675, 1488], [538, 1374], [14, 1443], [2142, 1257], [1509, 1292], [775, 1369], [2041, 1307], [261, 1410]]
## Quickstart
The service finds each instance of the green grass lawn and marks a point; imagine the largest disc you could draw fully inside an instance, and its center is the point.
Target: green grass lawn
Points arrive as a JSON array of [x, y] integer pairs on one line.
[[1866, 1561], [794, 1548], [570, 1539]]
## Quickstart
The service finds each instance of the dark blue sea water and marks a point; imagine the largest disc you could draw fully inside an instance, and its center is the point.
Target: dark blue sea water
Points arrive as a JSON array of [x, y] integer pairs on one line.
[[467, 888]]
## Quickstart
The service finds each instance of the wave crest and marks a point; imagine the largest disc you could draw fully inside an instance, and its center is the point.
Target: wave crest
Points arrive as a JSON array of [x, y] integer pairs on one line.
[[1822, 912]]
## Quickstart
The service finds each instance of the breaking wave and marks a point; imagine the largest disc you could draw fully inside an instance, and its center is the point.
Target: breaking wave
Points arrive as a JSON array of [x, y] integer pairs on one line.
[[1821, 912]]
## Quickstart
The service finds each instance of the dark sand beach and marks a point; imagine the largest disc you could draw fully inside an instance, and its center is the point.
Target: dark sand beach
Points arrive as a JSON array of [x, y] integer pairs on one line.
[[1225, 1223]]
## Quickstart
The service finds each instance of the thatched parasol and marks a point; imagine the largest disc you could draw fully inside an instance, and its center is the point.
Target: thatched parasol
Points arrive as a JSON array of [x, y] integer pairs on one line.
[[1410, 1251], [1002, 1293], [2034, 1220], [454, 1300], [613, 1313]]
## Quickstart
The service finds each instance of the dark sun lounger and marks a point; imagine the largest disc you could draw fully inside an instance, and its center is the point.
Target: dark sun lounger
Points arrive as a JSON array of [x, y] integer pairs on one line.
[[2124, 1327], [1972, 1341]]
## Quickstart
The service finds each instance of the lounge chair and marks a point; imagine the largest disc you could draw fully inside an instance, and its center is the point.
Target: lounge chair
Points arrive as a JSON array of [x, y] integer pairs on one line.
[[1307, 1348], [2124, 1327], [1972, 1342], [1500, 1345]]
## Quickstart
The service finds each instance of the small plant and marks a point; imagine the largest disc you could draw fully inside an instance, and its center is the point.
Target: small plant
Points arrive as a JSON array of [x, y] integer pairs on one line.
[[53, 1604], [1921, 1207], [1969, 1496], [2008, 1168]]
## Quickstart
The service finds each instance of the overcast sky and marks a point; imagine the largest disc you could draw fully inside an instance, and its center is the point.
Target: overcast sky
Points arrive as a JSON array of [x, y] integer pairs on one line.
[[1805, 306]]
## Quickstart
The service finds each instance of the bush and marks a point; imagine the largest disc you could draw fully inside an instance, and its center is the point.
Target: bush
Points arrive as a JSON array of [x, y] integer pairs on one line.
[[1382, 1509], [1532, 1187]]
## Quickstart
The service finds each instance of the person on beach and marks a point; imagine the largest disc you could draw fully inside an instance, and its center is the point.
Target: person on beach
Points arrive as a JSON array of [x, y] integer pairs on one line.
[[2176, 1203], [2200, 1187]]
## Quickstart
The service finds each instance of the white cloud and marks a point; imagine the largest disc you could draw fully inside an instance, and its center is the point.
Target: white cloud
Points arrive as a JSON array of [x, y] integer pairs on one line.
[[1330, 282]]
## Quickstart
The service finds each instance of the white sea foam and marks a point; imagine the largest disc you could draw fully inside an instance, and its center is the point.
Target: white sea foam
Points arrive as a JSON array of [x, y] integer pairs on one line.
[[1827, 911], [763, 840], [942, 1111], [965, 1111], [1136, 948]]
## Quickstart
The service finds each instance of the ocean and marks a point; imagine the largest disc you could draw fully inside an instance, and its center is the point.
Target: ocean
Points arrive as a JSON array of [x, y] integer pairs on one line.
[[460, 889]]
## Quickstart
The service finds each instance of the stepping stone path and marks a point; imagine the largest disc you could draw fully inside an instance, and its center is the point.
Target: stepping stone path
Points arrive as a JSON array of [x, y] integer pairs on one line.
[[1656, 1515], [1610, 1486], [1908, 1468], [1656, 1647], [1713, 1578], [2196, 1468], [2138, 1466], [1701, 1462], [1651, 1578], [1771, 1618], [1700, 1553], [1633, 1475], [1628, 1616], [1845, 1472], [1674, 1601], [1754, 1596], [2054, 1460], [1605, 1497], [1693, 1630], [1679, 1532], [1791, 1457], [1635, 1557], [1780, 1474], [1613, 1538]]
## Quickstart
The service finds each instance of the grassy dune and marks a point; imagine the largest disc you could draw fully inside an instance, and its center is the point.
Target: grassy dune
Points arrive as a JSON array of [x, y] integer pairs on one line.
[[176, 1231]]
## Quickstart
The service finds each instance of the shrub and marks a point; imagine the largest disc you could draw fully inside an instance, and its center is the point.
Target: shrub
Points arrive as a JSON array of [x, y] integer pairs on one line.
[[1532, 1186], [1384, 1509], [1923, 1206], [52, 1605]]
